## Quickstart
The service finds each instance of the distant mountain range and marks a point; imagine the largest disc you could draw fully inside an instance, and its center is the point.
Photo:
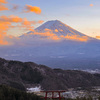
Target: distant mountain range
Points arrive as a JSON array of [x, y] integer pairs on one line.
[[56, 45], [22, 75]]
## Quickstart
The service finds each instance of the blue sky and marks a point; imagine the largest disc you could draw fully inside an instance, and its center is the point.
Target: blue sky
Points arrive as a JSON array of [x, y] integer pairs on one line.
[[75, 13]]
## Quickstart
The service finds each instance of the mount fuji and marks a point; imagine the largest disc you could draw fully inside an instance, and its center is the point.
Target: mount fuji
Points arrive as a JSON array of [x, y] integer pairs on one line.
[[58, 28], [55, 29], [56, 45], [61, 28]]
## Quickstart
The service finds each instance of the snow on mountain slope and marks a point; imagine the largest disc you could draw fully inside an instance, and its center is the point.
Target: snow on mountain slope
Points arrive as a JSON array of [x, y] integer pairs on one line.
[[55, 30], [58, 28]]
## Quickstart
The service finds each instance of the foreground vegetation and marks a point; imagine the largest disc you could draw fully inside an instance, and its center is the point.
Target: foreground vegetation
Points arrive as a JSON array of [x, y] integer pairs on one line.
[[8, 93]]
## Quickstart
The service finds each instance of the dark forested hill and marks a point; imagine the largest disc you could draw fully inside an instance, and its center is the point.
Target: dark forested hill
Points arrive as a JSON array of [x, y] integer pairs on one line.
[[22, 75], [8, 93]]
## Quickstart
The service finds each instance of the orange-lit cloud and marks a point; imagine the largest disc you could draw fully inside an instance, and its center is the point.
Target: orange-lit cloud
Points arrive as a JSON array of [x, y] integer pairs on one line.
[[48, 34], [6, 23], [3, 7], [29, 25], [98, 37], [40, 22], [3, 1], [26, 22], [75, 37], [46, 29], [11, 18], [91, 5], [16, 19], [34, 9], [56, 30], [3, 28], [2, 40]]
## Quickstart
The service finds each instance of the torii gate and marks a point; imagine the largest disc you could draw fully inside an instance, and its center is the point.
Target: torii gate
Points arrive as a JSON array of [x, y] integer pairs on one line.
[[59, 93]]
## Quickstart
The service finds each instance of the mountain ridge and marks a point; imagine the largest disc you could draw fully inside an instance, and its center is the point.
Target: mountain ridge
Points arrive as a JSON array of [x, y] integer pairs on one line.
[[54, 22], [23, 75], [58, 29]]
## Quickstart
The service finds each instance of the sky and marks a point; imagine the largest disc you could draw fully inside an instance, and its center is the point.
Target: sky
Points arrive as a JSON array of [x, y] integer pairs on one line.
[[21, 16]]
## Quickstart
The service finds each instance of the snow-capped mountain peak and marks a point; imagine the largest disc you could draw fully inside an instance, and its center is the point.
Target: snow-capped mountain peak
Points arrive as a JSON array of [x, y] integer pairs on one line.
[[55, 30], [58, 28]]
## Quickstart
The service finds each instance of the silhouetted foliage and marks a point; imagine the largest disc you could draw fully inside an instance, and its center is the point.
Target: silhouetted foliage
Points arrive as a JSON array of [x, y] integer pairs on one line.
[[30, 75], [17, 85], [8, 93]]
